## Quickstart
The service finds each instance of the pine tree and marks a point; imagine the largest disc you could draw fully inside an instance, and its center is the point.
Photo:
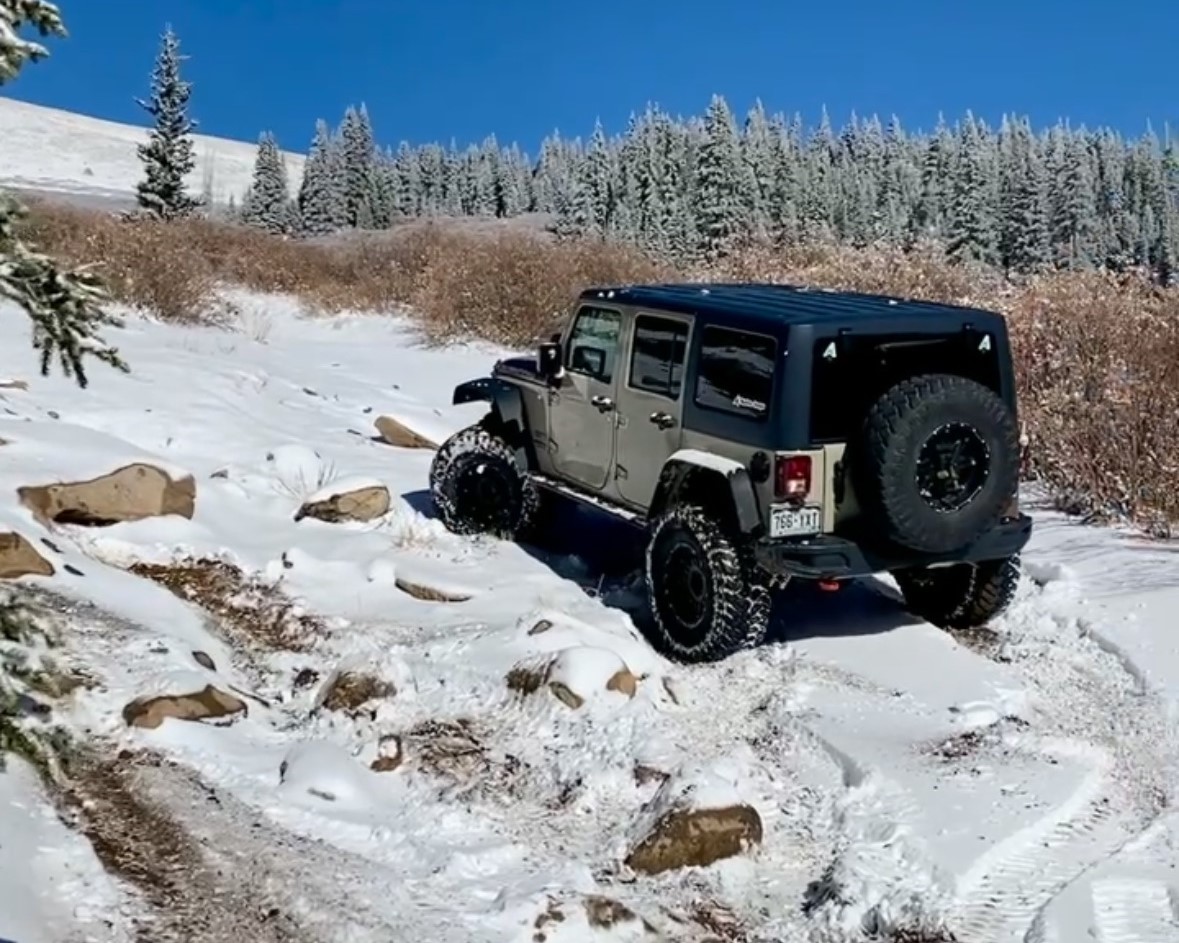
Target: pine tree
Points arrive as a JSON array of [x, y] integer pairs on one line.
[[65, 306], [358, 155], [321, 192], [719, 174], [267, 203], [167, 155]]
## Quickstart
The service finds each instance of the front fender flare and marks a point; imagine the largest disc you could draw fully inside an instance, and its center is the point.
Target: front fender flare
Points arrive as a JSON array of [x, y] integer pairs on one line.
[[507, 405]]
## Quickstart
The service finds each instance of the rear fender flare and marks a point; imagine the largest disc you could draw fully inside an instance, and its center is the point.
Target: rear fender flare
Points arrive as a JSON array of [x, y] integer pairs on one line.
[[689, 472]]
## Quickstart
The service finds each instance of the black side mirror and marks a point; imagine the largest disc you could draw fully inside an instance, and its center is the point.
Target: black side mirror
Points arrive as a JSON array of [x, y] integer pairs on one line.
[[549, 360]]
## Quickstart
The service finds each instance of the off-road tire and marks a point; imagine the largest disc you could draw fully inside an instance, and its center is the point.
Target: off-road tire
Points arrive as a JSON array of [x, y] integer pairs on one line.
[[478, 487], [962, 596], [735, 598], [896, 485]]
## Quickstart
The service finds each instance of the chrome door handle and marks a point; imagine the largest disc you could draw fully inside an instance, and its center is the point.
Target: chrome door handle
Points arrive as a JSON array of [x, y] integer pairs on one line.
[[603, 403], [662, 420]]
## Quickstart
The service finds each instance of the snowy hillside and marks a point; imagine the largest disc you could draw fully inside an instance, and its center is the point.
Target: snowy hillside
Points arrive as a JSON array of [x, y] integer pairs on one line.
[[48, 149], [470, 741]]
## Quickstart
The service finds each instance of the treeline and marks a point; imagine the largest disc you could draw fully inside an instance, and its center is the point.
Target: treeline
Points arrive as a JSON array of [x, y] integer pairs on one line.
[[700, 188]]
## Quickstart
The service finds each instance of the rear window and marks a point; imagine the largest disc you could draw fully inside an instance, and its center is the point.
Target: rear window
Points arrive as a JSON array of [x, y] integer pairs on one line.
[[736, 372]]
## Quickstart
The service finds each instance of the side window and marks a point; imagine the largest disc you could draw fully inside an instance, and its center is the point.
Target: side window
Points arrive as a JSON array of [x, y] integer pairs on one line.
[[593, 343], [657, 360], [736, 373]]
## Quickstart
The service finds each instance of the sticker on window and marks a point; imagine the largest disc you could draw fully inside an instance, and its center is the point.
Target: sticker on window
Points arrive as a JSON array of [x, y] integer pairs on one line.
[[744, 402]]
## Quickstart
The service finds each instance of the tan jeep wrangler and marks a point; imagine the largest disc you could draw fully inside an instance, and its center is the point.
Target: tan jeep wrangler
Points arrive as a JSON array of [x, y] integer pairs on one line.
[[760, 433]]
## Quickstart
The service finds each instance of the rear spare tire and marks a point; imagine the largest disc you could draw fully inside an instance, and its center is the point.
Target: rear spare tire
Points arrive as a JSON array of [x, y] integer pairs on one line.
[[940, 462]]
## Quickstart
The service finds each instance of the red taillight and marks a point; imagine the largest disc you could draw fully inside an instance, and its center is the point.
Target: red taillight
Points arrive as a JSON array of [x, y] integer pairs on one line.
[[792, 476]]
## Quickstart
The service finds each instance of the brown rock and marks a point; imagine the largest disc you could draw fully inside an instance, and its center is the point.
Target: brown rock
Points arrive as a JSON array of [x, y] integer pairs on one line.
[[350, 690], [392, 432], [684, 838], [19, 558], [542, 626], [202, 659], [206, 704], [13, 385], [389, 755], [427, 593], [603, 912], [623, 682], [526, 679], [649, 774], [566, 695], [129, 493], [362, 504]]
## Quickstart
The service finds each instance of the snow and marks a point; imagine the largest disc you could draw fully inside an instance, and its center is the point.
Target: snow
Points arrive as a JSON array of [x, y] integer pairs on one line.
[[904, 776], [53, 150]]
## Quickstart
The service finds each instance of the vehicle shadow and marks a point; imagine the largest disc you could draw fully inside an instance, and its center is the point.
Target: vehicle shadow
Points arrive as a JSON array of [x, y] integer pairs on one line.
[[604, 556]]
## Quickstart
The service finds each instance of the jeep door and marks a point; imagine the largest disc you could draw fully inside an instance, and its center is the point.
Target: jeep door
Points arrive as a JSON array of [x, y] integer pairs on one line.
[[650, 403], [582, 411]]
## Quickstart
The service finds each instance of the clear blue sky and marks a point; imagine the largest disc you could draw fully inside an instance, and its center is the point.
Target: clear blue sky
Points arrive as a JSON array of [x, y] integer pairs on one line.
[[434, 70]]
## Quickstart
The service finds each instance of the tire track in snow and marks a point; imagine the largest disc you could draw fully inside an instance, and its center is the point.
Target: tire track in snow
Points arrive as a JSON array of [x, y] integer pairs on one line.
[[1134, 910], [1009, 886], [1098, 705]]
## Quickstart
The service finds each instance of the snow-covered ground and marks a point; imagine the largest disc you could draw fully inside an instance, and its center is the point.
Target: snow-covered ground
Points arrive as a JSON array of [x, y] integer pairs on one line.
[[1013, 786], [46, 149]]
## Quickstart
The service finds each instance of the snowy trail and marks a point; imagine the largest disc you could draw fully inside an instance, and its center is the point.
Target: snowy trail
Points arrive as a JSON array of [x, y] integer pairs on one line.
[[827, 732], [1121, 731], [1129, 910]]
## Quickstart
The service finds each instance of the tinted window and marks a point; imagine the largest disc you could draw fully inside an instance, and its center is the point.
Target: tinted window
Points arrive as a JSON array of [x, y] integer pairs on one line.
[[657, 361], [736, 372], [593, 343]]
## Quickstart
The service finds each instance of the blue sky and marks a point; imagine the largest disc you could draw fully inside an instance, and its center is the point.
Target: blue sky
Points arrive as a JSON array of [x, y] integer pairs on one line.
[[434, 70]]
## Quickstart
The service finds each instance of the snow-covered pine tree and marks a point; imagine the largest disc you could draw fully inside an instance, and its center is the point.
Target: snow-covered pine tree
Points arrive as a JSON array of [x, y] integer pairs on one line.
[[358, 155], [321, 192], [167, 156], [65, 306], [267, 203], [971, 232], [719, 178]]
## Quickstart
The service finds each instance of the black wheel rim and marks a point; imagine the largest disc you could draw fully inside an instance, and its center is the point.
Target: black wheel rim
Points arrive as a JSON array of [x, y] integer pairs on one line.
[[952, 467], [685, 589], [487, 493]]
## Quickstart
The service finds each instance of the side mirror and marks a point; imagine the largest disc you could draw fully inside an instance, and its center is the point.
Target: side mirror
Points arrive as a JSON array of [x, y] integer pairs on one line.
[[549, 360]]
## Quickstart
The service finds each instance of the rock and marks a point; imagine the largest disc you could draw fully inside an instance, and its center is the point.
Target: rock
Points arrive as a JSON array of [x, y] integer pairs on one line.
[[305, 678], [19, 558], [129, 493], [360, 504], [574, 675], [427, 593], [542, 626], [13, 385], [645, 774], [686, 837], [604, 913], [351, 690], [206, 704], [392, 432], [389, 754], [202, 659], [623, 682]]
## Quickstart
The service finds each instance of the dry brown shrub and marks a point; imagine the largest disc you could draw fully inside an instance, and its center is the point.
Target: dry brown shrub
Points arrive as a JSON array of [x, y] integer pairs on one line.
[[1097, 357], [511, 288], [251, 611]]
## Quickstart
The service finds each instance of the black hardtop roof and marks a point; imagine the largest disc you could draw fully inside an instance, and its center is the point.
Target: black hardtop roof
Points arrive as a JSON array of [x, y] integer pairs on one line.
[[789, 304]]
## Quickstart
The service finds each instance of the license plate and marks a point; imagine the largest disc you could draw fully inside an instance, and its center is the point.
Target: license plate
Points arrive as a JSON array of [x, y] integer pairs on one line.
[[795, 522]]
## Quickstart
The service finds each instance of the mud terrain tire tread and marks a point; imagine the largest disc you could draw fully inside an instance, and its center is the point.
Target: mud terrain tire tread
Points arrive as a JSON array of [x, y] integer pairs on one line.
[[482, 442], [740, 590], [896, 426], [964, 596]]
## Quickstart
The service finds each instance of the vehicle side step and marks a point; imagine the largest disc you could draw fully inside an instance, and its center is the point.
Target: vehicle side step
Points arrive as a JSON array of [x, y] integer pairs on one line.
[[576, 494]]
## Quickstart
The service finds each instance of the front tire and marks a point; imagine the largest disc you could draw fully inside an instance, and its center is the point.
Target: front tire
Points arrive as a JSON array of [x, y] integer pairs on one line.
[[707, 596], [478, 487], [962, 596]]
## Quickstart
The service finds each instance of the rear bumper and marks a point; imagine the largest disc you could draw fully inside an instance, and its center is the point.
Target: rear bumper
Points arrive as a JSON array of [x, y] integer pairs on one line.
[[828, 557]]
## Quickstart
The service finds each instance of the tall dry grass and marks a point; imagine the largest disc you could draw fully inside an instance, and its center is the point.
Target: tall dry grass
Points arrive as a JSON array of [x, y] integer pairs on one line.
[[1097, 356]]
